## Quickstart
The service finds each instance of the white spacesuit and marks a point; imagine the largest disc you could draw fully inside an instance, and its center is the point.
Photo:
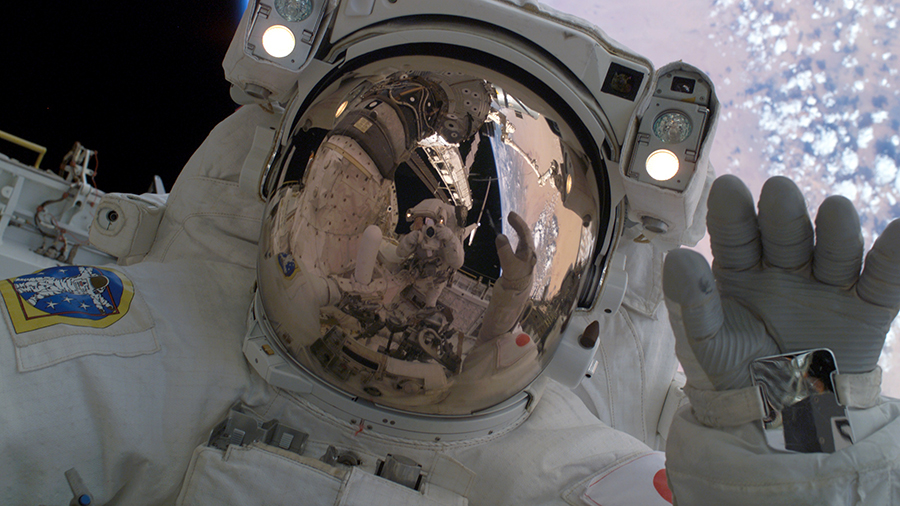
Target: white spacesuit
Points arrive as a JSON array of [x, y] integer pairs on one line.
[[433, 248], [242, 365]]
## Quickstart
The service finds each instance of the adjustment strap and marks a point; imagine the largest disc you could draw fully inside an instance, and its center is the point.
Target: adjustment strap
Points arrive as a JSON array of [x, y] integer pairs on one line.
[[728, 408], [859, 390]]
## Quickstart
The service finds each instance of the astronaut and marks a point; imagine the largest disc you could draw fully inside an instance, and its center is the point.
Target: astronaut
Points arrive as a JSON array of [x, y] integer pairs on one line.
[[436, 250], [246, 368]]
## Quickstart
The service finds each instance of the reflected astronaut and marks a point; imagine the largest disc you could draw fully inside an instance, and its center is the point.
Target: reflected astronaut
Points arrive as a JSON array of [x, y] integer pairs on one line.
[[436, 251], [435, 365]]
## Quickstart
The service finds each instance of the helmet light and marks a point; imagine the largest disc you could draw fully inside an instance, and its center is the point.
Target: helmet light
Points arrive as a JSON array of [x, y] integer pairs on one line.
[[340, 110], [662, 165], [278, 41]]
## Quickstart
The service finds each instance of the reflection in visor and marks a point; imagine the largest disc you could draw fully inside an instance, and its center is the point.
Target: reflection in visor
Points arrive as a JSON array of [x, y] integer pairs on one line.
[[436, 312]]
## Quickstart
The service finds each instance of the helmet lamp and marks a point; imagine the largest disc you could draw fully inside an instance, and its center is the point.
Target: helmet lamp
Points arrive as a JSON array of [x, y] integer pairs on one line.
[[278, 41]]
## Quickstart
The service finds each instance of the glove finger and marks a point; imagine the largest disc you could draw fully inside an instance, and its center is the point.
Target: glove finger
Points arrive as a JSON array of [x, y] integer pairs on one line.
[[689, 283], [526, 241], [731, 221], [784, 224], [695, 310], [879, 283], [838, 253], [722, 336]]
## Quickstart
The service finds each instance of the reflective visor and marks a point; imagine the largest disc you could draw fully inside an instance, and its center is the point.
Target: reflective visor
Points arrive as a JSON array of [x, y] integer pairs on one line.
[[382, 266]]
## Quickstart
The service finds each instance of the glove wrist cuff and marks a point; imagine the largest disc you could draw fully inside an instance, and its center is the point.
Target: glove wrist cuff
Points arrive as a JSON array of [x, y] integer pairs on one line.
[[731, 408], [727, 408], [516, 285], [859, 390]]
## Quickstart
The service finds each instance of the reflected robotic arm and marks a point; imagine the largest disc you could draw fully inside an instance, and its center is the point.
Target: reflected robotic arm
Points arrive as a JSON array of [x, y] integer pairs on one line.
[[388, 122]]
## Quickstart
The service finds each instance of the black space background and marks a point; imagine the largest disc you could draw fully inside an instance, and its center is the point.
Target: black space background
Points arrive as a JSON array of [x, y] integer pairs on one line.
[[139, 82]]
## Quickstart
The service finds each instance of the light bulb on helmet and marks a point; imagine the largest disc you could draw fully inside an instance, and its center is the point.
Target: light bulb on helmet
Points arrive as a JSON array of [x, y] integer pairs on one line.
[[662, 165], [340, 110], [278, 41]]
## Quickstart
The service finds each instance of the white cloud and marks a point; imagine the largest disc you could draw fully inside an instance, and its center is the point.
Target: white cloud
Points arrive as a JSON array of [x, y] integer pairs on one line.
[[854, 33], [885, 170], [846, 188], [850, 162], [866, 135], [825, 143], [780, 46]]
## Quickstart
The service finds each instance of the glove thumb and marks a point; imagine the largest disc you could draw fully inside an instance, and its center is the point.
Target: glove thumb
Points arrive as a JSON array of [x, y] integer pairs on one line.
[[715, 340], [695, 309]]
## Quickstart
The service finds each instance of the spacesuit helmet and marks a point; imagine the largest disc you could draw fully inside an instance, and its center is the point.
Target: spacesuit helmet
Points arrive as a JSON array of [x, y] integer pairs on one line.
[[356, 296], [511, 148]]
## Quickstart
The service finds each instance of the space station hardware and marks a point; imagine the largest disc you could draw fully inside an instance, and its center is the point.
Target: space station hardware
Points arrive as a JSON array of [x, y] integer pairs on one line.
[[125, 225], [522, 139], [45, 216]]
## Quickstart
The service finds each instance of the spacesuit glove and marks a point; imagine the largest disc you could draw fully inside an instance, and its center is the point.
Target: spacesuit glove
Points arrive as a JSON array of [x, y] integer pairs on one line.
[[452, 254], [516, 267], [407, 244], [774, 288]]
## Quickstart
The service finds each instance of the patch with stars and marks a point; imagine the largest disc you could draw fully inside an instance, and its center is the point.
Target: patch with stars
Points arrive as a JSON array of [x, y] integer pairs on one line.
[[72, 295]]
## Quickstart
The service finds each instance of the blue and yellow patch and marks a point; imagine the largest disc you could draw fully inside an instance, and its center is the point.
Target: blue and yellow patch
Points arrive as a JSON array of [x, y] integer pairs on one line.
[[287, 264], [73, 295]]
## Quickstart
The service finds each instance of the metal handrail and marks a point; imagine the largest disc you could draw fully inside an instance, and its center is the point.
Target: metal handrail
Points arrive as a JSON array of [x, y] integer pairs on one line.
[[40, 150]]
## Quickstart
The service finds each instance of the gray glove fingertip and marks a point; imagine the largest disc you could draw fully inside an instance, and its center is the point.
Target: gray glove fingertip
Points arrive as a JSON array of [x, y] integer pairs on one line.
[[838, 253], [731, 222], [504, 251], [784, 224], [688, 283], [518, 224], [879, 283]]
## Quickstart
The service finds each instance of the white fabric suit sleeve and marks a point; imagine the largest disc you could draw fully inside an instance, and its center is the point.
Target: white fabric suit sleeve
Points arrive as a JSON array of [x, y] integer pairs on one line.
[[207, 214]]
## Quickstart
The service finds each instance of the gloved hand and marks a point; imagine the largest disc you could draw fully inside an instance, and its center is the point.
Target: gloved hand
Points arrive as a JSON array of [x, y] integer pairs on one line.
[[408, 243], [775, 289], [512, 289], [451, 250], [519, 265]]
